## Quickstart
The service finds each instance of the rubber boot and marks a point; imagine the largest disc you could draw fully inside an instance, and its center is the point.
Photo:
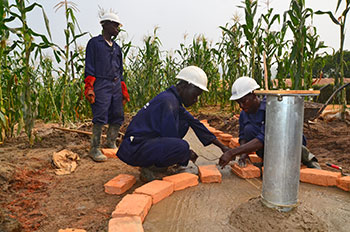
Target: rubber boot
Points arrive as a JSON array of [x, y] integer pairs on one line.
[[95, 152], [112, 134], [308, 159], [152, 173]]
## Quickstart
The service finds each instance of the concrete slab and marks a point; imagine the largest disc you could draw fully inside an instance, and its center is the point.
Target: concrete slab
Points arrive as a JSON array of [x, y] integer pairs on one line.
[[207, 207]]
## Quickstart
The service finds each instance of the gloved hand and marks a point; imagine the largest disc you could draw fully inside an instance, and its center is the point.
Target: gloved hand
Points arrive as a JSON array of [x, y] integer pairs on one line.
[[126, 97], [243, 160], [89, 89]]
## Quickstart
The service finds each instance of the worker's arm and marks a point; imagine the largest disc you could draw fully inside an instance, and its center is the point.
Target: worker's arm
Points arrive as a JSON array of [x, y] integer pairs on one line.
[[251, 146], [223, 148]]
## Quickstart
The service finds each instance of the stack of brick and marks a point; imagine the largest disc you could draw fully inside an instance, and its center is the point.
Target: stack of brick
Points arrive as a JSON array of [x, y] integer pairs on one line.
[[233, 143], [225, 139]]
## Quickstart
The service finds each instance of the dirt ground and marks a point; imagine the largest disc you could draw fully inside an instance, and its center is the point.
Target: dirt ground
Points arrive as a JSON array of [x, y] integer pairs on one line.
[[33, 198]]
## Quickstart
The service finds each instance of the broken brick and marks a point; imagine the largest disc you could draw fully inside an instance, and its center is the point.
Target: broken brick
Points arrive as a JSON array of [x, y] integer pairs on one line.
[[182, 180], [254, 158], [344, 183], [157, 189], [209, 174], [133, 205], [319, 177], [125, 224], [120, 184], [110, 152], [250, 171]]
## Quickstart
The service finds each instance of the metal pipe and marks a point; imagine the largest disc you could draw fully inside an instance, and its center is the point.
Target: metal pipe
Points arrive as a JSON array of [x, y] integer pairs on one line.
[[282, 151]]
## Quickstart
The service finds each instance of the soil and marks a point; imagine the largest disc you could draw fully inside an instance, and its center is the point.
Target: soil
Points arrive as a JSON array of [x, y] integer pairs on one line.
[[33, 198], [253, 215]]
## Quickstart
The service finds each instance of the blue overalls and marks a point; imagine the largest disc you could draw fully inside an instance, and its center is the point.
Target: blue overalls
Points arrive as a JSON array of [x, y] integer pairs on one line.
[[252, 126], [105, 63], [154, 136]]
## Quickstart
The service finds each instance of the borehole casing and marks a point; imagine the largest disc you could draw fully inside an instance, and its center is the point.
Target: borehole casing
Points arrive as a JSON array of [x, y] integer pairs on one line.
[[282, 151]]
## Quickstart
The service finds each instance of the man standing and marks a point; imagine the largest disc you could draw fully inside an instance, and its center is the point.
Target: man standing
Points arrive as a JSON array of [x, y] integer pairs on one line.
[[252, 125], [154, 137], [104, 85]]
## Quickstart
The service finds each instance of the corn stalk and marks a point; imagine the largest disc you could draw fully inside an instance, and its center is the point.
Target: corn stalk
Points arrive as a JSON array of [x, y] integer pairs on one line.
[[26, 78], [339, 78]]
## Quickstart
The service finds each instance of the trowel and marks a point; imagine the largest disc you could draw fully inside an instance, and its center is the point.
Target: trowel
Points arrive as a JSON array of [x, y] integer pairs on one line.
[[337, 167]]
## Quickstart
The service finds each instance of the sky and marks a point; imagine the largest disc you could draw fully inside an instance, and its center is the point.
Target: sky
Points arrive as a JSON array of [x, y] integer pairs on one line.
[[175, 19]]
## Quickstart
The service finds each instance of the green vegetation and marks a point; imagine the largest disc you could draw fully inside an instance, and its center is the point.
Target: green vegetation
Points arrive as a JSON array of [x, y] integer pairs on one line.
[[32, 87]]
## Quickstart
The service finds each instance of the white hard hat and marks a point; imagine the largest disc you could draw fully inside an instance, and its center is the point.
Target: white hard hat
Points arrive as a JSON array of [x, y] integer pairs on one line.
[[110, 16], [242, 86], [195, 76]]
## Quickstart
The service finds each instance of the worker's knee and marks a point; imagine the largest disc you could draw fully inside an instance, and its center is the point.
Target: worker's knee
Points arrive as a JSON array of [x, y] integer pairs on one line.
[[250, 132]]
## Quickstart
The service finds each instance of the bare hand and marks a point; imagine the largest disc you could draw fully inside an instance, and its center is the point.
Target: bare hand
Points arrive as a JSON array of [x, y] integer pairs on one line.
[[225, 159], [243, 160]]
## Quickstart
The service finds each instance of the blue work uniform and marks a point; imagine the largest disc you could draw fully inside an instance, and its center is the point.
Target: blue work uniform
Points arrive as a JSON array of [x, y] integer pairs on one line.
[[105, 63], [154, 136], [252, 126]]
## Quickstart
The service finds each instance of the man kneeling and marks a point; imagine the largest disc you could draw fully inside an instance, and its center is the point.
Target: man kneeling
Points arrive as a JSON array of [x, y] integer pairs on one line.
[[154, 137]]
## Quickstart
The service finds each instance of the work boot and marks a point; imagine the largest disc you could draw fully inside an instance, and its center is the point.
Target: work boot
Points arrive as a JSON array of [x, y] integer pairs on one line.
[[112, 134], [95, 152], [152, 173], [308, 159]]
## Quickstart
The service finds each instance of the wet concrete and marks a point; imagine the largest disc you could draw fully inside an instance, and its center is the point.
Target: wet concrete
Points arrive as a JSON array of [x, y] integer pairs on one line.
[[207, 207]]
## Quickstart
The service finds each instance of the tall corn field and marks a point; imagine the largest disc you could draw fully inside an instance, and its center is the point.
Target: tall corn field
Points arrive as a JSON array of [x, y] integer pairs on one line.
[[33, 87]]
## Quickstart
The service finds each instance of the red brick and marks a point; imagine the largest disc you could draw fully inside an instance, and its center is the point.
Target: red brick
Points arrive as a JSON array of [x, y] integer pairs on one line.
[[344, 183], [110, 152], [226, 137], [319, 177], [125, 224], [255, 158], [133, 205], [157, 189], [182, 180], [234, 143], [211, 129], [120, 184], [71, 230], [217, 133], [209, 174], [204, 121], [250, 171]]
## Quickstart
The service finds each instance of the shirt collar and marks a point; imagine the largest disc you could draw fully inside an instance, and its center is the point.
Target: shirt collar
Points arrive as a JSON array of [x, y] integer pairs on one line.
[[174, 91]]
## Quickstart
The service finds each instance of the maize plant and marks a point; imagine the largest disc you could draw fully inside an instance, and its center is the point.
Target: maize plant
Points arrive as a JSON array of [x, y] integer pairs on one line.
[[339, 78], [25, 77], [200, 53], [66, 83], [230, 58], [253, 39], [296, 18]]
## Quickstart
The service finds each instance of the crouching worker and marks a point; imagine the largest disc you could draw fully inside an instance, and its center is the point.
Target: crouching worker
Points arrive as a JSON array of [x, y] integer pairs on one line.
[[154, 137], [252, 125]]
